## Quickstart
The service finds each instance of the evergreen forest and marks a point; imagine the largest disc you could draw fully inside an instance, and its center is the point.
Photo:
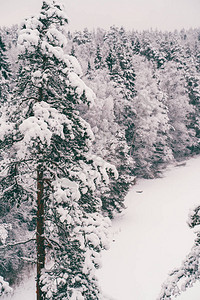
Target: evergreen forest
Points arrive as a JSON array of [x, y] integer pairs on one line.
[[83, 116]]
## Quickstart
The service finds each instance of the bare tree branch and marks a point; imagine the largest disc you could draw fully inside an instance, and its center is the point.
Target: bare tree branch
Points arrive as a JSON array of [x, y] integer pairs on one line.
[[16, 244]]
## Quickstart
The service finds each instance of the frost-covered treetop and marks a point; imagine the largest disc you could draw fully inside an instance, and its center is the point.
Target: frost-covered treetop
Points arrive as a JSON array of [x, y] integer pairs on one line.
[[52, 9], [50, 23], [42, 39]]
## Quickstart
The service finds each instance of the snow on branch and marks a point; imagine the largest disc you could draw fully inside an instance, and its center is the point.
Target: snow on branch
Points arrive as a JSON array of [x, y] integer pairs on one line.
[[4, 232], [45, 122], [5, 127], [5, 289]]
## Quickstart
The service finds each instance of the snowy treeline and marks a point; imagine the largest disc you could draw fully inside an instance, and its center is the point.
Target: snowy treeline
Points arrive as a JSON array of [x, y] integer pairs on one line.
[[83, 114], [154, 81]]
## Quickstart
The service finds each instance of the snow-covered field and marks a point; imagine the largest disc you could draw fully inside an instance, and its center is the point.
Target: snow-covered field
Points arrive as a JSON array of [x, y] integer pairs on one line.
[[150, 238]]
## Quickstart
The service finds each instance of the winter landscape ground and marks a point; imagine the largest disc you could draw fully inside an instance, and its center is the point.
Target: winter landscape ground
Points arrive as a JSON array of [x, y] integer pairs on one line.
[[150, 238]]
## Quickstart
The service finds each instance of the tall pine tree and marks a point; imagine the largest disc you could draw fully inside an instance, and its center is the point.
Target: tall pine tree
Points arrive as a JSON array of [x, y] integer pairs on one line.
[[51, 163], [4, 73]]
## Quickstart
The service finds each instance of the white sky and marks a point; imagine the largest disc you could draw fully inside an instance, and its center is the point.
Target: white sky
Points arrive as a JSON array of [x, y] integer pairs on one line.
[[132, 14]]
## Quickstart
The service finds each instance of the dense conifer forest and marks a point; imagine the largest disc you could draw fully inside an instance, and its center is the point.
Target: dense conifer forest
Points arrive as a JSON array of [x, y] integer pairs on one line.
[[83, 115]]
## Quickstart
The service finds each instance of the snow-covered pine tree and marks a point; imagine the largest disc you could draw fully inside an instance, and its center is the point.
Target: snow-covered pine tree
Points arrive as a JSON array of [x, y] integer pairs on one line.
[[188, 273], [84, 46], [116, 46], [111, 61], [4, 73], [49, 160], [122, 74], [98, 61], [73, 52]]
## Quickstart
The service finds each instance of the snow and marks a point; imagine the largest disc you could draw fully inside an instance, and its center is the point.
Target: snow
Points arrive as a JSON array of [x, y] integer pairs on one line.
[[33, 128], [53, 10], [5, 127], [73, 63], [28, 38], [76, 82], [150, 238], [45, 122], [4, 232], [4, 287], [26, 291], [55, 35]]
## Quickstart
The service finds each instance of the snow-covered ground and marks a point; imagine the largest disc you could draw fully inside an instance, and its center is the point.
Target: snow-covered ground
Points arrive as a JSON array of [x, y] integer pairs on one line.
[[26, 291], [150, 238]]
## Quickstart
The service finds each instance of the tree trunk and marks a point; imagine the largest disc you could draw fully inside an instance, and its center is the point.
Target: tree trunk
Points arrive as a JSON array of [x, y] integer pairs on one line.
[[40, 231]]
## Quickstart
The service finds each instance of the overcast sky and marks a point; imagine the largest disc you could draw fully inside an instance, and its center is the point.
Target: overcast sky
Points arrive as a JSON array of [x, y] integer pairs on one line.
[[132, 14]]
